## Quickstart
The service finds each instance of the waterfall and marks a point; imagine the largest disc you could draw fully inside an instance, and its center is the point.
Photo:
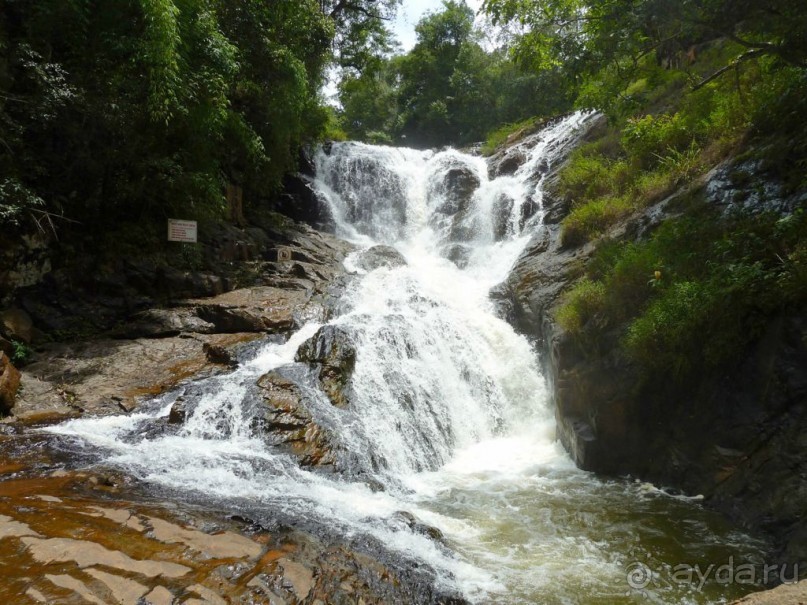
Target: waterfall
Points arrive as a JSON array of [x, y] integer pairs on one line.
[[446, 410]]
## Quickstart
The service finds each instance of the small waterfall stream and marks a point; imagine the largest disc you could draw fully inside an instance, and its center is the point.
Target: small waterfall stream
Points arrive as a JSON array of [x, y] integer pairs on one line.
[[447, 416]]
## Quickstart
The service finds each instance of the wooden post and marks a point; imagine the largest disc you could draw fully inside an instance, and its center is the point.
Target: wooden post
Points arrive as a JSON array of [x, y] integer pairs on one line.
[[235, 204]]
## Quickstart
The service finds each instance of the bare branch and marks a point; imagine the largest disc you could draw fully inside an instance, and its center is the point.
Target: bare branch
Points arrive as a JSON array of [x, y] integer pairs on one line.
[[734, 64]]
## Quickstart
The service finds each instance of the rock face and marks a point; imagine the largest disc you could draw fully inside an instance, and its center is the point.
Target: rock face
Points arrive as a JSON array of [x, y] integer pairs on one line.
[[738, 437], [332, 351], [789, 594], [139, 297], [286, 420], [506, 161], [9, 384], [258, 309]]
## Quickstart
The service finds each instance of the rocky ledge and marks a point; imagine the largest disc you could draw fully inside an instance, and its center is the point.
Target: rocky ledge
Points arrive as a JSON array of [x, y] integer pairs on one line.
[[103, 354]]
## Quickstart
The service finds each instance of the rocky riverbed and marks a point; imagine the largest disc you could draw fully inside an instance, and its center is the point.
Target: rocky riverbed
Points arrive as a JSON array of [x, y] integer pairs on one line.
[[108, 340], [77, 534]]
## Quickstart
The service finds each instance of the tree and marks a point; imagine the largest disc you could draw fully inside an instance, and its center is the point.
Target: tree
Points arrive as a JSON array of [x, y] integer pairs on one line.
[[448, 89], [588, 36], [114, 110]]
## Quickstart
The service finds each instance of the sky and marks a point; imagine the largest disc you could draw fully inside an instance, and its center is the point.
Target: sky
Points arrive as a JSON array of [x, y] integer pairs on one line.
[[410, 13]]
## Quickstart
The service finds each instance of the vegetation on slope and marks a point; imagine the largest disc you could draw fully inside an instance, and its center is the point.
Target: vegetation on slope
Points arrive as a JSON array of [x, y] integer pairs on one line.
[[686, 86]]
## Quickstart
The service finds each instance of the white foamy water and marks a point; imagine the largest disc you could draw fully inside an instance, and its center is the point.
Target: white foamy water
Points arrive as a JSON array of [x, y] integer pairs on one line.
[[448, 409]]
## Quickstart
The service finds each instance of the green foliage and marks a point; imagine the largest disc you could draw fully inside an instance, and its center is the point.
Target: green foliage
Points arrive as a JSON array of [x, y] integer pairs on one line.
[[695, 294], [509, 132], [675, 319], [129, 111], [580, 305], [607, 45], [649, 137], [22, 353], [15, 201], [644, 158], [448, 89], [587, 221]]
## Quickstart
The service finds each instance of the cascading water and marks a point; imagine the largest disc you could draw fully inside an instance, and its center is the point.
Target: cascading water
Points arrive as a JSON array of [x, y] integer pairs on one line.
[[447, 407]]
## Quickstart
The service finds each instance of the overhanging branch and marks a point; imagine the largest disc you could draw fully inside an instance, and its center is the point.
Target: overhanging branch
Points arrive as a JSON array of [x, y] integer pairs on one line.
[[743, 57]]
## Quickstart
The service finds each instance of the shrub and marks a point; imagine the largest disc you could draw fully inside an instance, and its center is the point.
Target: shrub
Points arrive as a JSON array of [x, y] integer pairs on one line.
[[501, 135], [580, 305], [22, 353], [650, 137], [593, 218], [694, 295], [665, 337]]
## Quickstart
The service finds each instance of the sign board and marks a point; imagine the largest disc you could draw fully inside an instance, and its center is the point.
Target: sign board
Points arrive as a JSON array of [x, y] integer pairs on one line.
[[283, 254], [181, 231]]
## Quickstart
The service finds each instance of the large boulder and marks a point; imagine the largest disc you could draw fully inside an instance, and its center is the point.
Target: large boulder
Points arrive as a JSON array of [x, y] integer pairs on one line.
[[506, 162], [456, 189], [285, 420], [16, 324], [379, 256], [259, 309], [9, 384], [331, 350]]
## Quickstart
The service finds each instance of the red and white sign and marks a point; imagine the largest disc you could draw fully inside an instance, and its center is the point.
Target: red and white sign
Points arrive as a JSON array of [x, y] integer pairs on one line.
[[181, 231]]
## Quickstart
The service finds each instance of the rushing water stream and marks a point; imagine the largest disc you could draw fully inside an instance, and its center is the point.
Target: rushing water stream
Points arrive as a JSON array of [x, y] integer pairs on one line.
[[448, 409]]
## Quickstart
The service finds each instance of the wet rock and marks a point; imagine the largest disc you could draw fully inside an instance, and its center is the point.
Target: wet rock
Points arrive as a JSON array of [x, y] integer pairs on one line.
[[463, 227], [456, 189], [101, 376], [375, 192], [219, 354], [223, 545], [332, 350], [417, 526], [11, 528], [300, 202], [506, 162], [788, 594], [136, 552], [179, 412], [16, 324], [380, 256], [459, 254], [159, 596], [502, 299], [298, 576], [85, 554], [9, 384], [734, 435], [502, 210], [123, 590], [287, 421]]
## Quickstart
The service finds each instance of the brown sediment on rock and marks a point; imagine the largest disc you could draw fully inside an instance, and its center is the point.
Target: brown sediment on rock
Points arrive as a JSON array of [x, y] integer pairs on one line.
[[71, 540]]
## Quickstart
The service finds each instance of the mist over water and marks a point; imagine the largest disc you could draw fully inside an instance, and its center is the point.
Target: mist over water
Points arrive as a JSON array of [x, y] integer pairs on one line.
[[448, 408]]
